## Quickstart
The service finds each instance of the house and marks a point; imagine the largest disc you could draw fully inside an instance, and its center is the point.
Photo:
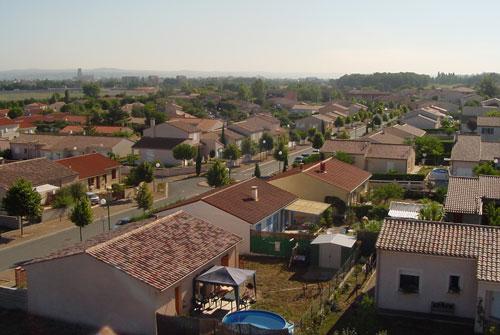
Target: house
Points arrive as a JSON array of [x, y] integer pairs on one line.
[[335, 109], [174, 129], [56, 106], [447, 270], [100, 130], [303, 108], [374, 157], [9, 129], [28, 146], [151, 149], [467, 196], [256, 125], [397, 134], [95, 170], [489, 128], [425, 118], [317, 121], [175, 111], [367, 94], [469, 151], [405, 210], [493, 102], [323, 180], [231, 137], [38, 171], [124, 277], [35, 108], [469, 117], [250, 205], [212, 146]]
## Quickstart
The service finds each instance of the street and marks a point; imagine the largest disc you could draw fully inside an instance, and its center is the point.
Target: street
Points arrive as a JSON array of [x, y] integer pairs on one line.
[[178, 190]]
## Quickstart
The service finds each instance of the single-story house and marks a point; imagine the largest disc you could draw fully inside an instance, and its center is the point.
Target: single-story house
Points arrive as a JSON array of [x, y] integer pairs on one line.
[[239, 208], [28, 146], [374, 157], [425, 118], [471, 113], [448, 270], [333, 249], [466, 197], [493, 102], [324, 180], [9, 129], [320, 122], [95, 170], [100, 130], [469, 151], [174, 129], [305, 108], [124, 277], [489, 128], [397, 134], [38, 171], [160, 149], [256, 125]]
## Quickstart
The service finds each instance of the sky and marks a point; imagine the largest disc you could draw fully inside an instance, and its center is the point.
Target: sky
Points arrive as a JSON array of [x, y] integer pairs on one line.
[[277, 36]]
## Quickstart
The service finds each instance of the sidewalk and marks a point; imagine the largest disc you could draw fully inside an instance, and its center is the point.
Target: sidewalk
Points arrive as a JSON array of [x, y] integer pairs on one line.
[[33, 231]]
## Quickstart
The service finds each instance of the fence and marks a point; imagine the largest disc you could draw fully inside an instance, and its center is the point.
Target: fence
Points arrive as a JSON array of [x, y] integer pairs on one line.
[[183, 325], [327, 296], [279, 244], [13, 298]]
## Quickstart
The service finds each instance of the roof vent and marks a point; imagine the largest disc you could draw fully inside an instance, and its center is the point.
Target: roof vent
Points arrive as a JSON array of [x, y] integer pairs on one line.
[[255, 193]]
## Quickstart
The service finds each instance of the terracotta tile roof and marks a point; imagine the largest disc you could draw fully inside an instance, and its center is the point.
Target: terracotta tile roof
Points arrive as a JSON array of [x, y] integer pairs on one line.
[[488, 121], [89, 165], [410, 129], [237, 200], [340, 174], [470, 148], [158, 143], [257, 123], [53, 142], [386, 138], [184, 126], [368, 149], [481, 243], [159, 253], [466, 194], [98, 129], [5, 121], [38, 171], [202, 125]]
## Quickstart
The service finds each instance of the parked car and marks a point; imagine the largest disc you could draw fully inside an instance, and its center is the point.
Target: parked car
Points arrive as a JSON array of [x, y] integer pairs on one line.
[[305, 155], [315, 151], [93, 198], [123, 221], [298, 159]]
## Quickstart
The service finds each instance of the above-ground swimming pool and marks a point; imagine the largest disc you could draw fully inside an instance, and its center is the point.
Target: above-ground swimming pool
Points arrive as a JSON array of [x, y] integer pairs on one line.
[[260, 319]]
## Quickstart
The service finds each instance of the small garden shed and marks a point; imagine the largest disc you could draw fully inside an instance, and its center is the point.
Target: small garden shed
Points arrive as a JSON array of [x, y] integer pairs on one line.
[[333, 249]]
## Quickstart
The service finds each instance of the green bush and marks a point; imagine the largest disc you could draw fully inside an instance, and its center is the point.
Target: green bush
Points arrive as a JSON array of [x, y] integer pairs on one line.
[[397, 176]]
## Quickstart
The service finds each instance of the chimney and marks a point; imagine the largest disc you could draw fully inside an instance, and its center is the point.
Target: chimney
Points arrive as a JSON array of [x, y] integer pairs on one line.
[[255, 193], [152, 123], [322, 167]]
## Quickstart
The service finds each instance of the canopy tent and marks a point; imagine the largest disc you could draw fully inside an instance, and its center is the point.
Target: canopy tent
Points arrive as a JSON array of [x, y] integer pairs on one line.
[[228, 276]]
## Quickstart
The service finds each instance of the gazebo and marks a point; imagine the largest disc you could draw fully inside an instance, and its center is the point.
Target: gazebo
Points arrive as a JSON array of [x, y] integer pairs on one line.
[[228, 276]]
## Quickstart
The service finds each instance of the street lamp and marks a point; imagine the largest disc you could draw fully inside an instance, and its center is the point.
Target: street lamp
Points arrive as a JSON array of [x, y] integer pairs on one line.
[[106, 203], [424, 154], [228, 171], [279, 160], [264, 146]]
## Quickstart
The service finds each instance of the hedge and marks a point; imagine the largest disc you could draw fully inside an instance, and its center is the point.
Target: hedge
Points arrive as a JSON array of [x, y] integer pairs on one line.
[[397, 176]]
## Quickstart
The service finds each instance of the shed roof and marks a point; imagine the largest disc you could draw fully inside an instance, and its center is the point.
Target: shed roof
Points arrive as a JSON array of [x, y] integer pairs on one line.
[[338, 239]]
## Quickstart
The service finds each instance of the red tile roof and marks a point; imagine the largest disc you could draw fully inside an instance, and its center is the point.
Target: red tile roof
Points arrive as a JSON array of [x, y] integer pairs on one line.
[[445, 239], [159, 253], [4, 121], [340, 174], [89, 165], [98, 129], [237, 200]]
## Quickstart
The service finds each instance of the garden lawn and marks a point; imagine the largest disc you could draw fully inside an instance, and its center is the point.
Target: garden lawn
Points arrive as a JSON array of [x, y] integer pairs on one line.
[[279, 289]]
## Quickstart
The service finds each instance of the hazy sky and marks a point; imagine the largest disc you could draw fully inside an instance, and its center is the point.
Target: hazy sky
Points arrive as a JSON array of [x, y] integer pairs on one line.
[[327, 36]]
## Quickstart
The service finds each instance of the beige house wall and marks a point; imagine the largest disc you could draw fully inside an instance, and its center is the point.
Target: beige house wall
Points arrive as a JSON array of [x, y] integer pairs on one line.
[[434, 272], [309, 188], [165, 130], [382, 165], [218, 217], [462, 169], [81, 289]]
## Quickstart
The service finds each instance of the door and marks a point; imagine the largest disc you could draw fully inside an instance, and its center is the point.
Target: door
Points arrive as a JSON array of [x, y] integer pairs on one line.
[[495, 304], [178, 300]]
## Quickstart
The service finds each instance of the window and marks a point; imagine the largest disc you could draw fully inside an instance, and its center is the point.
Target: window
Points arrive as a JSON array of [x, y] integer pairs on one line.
[[113, 174], [454, 284], [258, 227], [488, 131], [408, 283]]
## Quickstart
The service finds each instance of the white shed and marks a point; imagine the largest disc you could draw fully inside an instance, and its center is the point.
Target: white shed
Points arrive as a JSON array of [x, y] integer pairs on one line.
[[334, 249]]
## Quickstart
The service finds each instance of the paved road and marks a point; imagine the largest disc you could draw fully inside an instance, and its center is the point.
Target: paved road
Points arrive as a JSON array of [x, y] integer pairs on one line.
[[178, 190]]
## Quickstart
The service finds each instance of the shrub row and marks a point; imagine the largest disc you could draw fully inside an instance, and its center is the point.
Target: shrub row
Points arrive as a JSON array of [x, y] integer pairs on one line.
[[397, 176]]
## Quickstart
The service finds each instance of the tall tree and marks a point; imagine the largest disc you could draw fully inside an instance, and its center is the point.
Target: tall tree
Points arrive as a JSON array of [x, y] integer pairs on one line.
[[244, 92], [22, 200], [66, 96], [142, 172], [259, 91], [317, 141], [256, 171], [431, 210], [198, 162], [82, 215], [382, 194], [488, 87], [91, 90], [266, 142], [223, 136], [231, 152], [144, 197], [248, 147], [217, 175], [339, 122]]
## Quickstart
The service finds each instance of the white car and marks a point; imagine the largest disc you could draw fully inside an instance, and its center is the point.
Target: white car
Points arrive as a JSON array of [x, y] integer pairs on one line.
[[93, 198]]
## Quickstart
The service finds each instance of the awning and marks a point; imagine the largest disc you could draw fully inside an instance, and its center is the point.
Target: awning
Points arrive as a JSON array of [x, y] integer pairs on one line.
[[404, 210], [224, 275], [308, 207], [338, 239], [46, 188]]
